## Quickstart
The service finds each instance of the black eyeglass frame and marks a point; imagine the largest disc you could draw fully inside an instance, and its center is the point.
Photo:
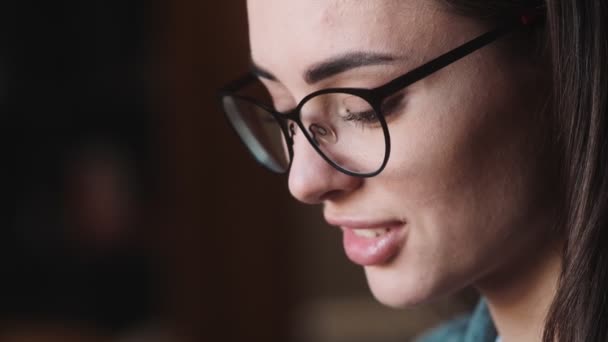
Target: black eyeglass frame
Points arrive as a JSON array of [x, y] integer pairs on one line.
[[374, 97]]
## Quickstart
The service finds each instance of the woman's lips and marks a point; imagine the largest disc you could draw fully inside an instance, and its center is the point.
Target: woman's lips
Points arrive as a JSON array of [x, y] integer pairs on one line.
[[369, 244]]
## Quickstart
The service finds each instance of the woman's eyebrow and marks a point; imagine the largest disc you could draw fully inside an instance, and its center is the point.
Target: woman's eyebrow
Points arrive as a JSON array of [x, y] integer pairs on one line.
[[342, 63], [333, 66]]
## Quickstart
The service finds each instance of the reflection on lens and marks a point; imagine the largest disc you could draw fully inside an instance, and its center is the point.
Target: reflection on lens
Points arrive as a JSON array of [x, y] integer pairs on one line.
[[260, 131], [347, 130], [322, 135]]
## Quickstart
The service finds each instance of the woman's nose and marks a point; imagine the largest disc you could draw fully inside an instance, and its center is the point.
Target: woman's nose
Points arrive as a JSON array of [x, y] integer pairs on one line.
[[312, 179]]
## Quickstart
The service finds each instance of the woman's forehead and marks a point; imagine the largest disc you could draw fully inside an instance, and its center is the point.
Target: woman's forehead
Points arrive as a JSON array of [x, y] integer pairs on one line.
[[332, 9], [314, 17], [306, 31]]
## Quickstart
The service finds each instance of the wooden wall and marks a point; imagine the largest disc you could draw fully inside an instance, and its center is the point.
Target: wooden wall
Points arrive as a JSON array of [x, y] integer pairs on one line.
[[225, 225]]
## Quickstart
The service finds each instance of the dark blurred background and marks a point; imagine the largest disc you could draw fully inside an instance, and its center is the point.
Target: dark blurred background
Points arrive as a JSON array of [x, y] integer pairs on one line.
[[130, 210]]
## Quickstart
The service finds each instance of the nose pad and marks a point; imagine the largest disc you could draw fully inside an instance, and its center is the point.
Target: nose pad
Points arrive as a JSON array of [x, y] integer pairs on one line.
[[323, 133], [292, 129]]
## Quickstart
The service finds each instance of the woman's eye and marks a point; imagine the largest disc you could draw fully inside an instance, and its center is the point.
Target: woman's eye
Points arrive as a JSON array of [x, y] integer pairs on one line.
[[368, 115]]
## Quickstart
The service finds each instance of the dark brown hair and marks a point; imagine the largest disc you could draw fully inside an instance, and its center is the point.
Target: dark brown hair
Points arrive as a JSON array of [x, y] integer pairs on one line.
[[577, 39]]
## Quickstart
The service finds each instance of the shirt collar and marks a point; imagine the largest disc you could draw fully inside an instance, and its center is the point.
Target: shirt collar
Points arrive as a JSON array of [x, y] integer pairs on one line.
[[480, 327]]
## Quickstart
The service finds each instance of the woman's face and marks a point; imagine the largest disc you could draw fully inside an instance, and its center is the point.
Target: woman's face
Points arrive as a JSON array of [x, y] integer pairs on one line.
[[465, 192]]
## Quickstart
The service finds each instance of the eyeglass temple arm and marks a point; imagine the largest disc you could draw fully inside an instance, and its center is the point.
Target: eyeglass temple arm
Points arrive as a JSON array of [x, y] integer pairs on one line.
[[444, 60]]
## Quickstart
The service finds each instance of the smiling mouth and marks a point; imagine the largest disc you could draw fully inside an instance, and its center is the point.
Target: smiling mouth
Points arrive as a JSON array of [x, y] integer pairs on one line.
[[371, 233], [373, 246]]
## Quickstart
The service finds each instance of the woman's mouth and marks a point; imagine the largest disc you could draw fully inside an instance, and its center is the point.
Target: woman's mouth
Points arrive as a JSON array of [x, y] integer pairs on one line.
[[371, 233], [371, 244], [368, 247]]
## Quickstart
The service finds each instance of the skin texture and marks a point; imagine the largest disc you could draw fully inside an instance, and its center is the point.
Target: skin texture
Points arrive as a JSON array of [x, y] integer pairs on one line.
[[469, 174]]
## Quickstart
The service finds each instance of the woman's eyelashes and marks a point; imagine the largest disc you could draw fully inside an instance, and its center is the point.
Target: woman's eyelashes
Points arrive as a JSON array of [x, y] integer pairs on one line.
[[368, 116], [349, 108]]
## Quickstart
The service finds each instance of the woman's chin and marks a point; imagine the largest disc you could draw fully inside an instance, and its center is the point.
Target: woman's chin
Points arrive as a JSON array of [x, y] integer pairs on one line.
[[399, 300], [397, 292]]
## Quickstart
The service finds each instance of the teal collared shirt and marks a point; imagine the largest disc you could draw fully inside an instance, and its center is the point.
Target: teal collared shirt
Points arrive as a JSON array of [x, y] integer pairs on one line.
[[476, 327]]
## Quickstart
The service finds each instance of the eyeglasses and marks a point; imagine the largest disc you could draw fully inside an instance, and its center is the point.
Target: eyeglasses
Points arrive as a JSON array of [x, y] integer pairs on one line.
[[346, 126]]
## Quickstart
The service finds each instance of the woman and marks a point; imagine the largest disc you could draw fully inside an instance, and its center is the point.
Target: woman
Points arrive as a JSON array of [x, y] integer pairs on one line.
[[454, 142]]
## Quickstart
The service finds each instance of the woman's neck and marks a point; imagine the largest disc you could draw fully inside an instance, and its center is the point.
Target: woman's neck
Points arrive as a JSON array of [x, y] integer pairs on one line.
[[519, 296]]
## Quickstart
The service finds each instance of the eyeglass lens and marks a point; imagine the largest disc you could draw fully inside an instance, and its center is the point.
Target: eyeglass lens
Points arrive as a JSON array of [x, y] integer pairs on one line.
[[342, 127], [346, 129]]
